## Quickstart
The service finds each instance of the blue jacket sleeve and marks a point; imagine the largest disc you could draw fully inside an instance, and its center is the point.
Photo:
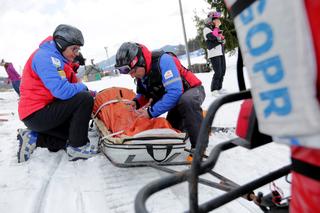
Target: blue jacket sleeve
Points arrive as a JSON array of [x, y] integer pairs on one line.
[[172, 82], [53, 77]]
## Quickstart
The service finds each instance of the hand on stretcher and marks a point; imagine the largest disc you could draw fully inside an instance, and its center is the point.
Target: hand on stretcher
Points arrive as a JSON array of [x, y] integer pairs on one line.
[[143, 111]]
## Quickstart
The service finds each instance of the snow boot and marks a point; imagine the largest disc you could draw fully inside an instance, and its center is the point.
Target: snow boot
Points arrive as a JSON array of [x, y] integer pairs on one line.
[[27, 144], [215, 93], [190, 156], [82, 152]]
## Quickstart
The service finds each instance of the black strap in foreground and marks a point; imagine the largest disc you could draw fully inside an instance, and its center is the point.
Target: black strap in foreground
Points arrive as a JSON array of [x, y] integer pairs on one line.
[[306, 169], [239, 6], [241, 81]]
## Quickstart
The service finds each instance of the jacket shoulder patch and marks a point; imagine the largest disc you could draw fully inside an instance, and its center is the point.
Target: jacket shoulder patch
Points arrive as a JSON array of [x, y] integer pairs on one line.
[[56, 62], [168, 74]]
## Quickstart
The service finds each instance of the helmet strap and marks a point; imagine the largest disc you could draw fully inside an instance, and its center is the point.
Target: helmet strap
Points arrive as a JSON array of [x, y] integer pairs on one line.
[[61, 44], [141, 61]]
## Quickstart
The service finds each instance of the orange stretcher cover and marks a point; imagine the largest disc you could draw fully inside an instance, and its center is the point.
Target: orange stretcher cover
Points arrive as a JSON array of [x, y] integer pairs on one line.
[[119, 117]]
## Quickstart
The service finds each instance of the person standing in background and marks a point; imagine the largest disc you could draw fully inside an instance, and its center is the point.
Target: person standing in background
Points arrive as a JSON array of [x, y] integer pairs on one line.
[[215, 48], [13, 76]]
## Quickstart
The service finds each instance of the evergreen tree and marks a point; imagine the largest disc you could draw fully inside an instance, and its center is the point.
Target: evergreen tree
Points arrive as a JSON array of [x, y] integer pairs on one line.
[[200, 26], [194, 44]]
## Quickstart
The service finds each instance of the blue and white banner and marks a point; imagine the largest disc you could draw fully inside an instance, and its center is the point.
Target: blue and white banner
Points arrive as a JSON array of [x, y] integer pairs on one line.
[[277, 48]]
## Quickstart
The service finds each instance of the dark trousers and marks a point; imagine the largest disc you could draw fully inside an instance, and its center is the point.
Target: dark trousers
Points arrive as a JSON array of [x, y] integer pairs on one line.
[[16, 86], [187, 114], [62, 121], [219, 68]]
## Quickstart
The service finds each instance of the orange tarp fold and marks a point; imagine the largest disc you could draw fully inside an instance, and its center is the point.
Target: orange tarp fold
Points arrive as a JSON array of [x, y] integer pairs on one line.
[[118, 116]]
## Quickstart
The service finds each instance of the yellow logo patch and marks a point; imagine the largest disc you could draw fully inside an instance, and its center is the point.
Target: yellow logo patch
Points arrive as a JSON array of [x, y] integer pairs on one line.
[[62, 73]]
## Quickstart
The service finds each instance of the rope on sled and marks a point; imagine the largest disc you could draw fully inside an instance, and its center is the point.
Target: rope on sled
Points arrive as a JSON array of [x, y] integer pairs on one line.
[[110, 102], [112, 134]]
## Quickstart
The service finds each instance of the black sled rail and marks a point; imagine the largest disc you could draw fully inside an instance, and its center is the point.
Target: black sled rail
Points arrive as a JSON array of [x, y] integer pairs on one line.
[[200, 167]]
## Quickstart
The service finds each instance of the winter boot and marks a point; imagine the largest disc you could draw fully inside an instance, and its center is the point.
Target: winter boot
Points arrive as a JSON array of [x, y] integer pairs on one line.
[[82, 152], [215, 93], [27, 143], [190, 156]]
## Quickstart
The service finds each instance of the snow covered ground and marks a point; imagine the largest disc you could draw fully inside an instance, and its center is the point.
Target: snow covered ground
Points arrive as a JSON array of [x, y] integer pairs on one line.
[[49, 183]]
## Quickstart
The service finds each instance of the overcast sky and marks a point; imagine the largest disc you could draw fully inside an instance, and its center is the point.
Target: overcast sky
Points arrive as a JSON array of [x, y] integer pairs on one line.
[[104, 23]]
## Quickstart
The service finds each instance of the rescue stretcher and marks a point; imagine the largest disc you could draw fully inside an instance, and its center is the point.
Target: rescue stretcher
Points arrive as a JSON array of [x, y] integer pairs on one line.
[[130, 141]]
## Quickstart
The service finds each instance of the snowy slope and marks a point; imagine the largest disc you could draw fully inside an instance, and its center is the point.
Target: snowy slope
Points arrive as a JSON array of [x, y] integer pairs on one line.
[[49, 183]]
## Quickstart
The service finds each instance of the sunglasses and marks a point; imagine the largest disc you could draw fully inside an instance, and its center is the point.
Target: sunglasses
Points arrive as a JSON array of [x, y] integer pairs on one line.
[[75, 50], [126, 69]]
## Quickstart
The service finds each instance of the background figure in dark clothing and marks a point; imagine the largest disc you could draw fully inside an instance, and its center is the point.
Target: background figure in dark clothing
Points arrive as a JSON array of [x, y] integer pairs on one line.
[[215, 48], [13, 76]]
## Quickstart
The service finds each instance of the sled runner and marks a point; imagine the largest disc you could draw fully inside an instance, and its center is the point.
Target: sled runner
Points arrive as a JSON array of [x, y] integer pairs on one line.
[[127, 140]]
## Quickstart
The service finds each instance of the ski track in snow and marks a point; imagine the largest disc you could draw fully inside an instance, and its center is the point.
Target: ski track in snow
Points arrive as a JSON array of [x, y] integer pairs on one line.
[[42, 196], [49, 183]]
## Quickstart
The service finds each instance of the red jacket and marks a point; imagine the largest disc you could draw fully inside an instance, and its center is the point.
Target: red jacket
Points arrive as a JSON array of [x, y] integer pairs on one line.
[[42, 83]]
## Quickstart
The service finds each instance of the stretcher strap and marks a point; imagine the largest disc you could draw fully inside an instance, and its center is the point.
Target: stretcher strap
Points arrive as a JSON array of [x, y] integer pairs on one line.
[[112, 134], [108, 103]]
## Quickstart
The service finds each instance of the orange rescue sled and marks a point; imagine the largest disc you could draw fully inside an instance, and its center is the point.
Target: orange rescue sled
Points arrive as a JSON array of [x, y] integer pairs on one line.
[[128, 140]]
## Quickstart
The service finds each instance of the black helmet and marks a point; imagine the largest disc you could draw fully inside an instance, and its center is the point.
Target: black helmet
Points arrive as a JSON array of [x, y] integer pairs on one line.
[[129, 54], [66, 35]]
